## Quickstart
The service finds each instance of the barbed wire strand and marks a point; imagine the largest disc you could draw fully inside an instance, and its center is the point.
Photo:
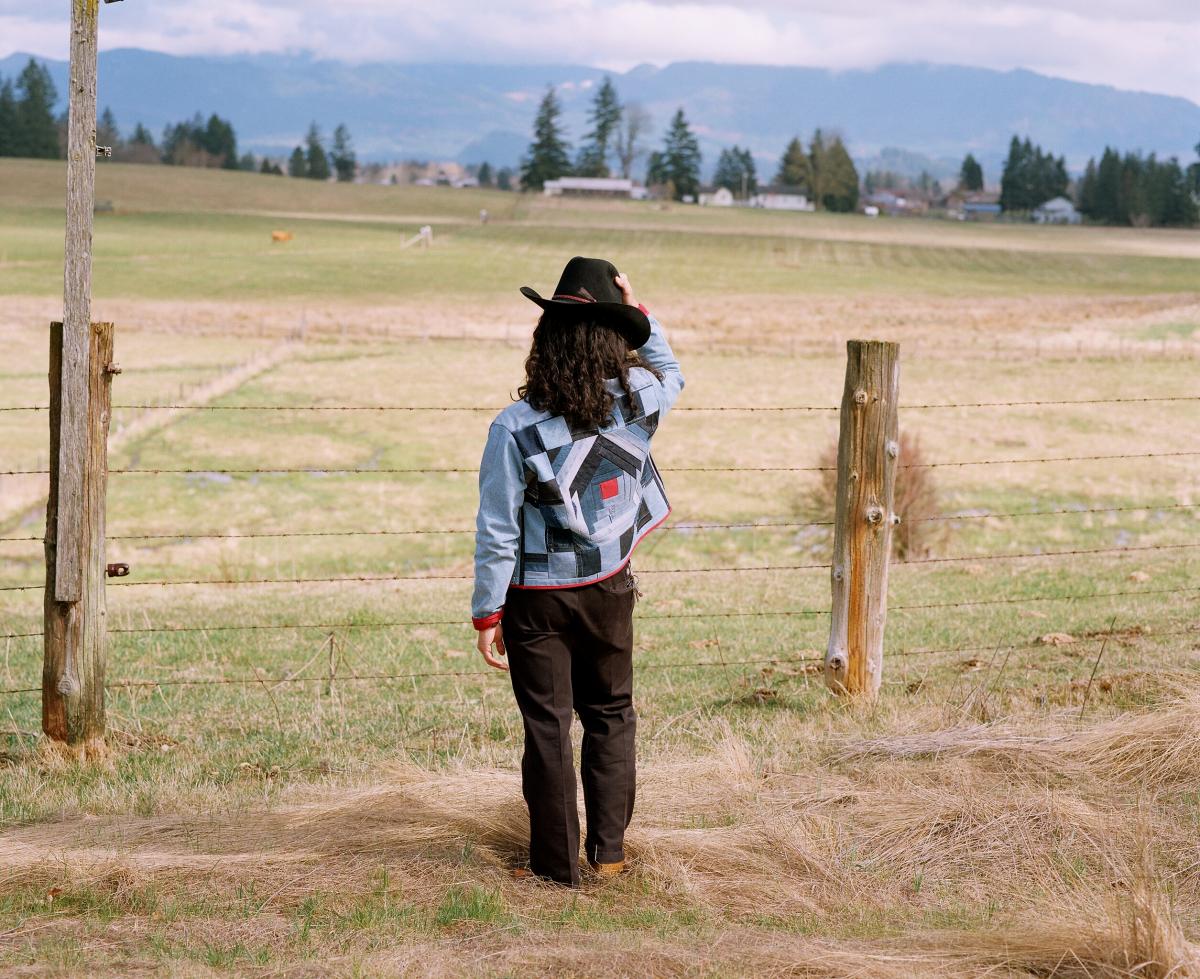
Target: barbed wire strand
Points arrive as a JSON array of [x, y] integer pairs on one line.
[[689, 408], [691, 664], [430, 470], [731, 570], [678, 528], [756, 613]]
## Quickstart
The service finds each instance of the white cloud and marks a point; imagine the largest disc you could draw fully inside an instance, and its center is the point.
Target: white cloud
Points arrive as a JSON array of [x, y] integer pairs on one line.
[[1149, 45]]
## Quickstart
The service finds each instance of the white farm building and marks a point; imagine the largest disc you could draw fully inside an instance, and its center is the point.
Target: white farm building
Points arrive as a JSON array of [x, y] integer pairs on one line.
[[1057, 210], [592, 187]]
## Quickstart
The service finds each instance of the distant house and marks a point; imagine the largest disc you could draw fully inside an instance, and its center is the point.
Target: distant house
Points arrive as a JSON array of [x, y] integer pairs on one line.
[[772, 199], [973, 205], [1057, 210], [589, 187], [981, 210], [721, 197], [890, 202]]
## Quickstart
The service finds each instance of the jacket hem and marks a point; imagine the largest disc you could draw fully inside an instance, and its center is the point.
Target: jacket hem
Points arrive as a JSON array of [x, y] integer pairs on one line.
[[618, 570]]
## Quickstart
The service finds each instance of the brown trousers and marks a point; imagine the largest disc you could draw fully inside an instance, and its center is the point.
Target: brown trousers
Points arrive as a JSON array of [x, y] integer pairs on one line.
[[571, 650]]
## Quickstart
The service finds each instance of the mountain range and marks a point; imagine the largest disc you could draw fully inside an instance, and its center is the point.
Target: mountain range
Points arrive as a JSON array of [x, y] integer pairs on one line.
[[906, 116]]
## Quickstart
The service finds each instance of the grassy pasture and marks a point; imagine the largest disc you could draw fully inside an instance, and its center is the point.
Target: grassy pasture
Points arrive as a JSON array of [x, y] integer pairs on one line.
[[302, 821]]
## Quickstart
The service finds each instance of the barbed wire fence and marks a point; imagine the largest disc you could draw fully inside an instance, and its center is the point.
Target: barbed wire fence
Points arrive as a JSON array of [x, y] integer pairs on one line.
[[807, 663]]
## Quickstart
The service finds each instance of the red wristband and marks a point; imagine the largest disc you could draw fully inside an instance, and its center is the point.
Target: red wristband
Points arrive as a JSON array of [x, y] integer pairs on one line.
[[642, 307], [488, 621]]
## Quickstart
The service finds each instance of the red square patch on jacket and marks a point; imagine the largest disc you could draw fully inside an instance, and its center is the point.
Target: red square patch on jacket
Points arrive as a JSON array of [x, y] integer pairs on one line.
[[609, 488]]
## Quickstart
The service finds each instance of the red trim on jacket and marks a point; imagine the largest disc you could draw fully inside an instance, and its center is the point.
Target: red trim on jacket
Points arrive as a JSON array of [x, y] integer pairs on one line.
[[642, 307], [488, 621]]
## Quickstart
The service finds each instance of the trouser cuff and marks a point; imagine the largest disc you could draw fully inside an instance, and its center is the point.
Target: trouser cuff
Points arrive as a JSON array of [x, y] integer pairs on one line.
[[597, 855]]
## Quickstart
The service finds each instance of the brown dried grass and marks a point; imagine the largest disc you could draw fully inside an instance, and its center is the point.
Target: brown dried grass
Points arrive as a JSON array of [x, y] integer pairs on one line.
[[1057, 848], [1157, 747]]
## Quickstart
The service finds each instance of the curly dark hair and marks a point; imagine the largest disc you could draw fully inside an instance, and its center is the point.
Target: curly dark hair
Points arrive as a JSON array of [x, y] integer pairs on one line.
[[568, 364]]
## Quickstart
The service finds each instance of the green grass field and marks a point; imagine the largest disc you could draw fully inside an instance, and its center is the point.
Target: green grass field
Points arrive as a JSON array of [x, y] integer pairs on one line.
[[310, 818]]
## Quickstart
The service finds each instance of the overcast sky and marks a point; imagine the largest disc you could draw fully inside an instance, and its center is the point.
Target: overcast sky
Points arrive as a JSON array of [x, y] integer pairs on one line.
[[1149, 45]]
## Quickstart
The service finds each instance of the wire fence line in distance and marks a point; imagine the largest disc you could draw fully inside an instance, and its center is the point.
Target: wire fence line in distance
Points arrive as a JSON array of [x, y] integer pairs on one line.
[[691, 614], [432, 470], [352, 579], [272, 682], [677, 528], [435, 408]]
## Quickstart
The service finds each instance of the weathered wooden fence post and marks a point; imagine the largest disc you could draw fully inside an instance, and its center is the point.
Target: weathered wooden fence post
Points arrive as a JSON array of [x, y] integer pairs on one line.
[[868, 450], [80, 358], [75, 633]]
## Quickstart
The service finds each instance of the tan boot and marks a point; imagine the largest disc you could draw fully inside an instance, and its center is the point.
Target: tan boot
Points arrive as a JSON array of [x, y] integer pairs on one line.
[[606, 869]]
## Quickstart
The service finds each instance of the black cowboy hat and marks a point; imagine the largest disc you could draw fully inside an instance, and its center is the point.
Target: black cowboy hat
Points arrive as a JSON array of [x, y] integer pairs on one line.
[[587, 290]]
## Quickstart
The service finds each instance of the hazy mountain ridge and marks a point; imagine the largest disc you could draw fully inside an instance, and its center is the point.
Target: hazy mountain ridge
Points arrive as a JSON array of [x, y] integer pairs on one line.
[[473, 112]]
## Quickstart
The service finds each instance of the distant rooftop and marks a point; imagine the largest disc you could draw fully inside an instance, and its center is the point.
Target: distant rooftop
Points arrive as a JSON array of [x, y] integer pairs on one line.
[[591, 183]]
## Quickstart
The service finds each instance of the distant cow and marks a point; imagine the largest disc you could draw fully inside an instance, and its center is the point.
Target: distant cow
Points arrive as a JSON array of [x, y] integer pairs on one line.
[[281, 236]]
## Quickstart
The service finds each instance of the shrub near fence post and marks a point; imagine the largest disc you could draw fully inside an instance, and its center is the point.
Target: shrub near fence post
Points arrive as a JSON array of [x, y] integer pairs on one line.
[[868, 451]]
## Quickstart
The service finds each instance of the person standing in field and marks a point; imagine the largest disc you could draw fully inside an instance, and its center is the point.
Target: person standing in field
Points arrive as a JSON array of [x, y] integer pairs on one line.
[[567, 489]]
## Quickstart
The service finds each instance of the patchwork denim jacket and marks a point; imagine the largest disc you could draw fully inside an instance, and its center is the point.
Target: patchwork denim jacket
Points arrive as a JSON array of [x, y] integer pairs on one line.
[[560, 508]]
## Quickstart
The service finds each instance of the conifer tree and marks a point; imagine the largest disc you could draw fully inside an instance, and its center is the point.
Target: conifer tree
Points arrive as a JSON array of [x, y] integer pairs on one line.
[[36, 130], [8, 119], [794, 170], [736, 171], [345, 162], [316, 161], [298, 163], [970, 176], [605, 117], [1031, 176], [548, 157], [679, 162], [839, 178], [485, 175]]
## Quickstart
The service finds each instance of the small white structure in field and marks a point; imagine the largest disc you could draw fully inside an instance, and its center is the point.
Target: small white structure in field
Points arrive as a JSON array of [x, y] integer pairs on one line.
[[773, 200], [589, 187], [721, 197], [1057, 210]]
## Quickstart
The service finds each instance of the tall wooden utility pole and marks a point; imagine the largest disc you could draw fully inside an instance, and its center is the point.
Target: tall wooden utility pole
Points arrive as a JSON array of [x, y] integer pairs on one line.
[[77, 296], [72, 676], [868, 451]]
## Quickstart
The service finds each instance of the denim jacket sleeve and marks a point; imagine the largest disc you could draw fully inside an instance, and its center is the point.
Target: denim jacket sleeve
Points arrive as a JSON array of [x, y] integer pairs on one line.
[[658, 354], [497, 526]]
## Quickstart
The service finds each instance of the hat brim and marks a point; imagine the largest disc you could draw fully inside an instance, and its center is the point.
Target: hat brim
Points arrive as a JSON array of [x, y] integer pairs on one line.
[[629, 321]]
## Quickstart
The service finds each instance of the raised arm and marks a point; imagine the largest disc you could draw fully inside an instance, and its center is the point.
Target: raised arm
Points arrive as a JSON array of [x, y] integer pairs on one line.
[[656, 351]]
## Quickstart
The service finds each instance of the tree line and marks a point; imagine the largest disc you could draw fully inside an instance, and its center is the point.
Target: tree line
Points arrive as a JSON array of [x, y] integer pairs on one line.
[[29, 127], [1120, 189], [1140, 191], [615, 143]]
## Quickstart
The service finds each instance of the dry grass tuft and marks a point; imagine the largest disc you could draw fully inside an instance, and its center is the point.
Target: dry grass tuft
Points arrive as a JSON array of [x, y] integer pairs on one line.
[[1156, 748]]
